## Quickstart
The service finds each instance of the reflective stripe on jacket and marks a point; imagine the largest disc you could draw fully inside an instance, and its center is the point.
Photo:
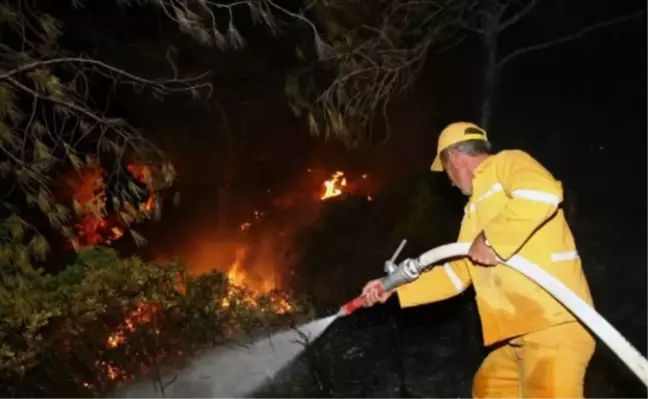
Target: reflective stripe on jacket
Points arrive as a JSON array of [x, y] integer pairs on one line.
[[516, 203]]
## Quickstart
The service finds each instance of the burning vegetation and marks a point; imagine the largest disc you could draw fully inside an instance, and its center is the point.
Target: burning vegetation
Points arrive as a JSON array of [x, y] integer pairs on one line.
[[96, 225], [109, 319], [100, 221], [251, 268]]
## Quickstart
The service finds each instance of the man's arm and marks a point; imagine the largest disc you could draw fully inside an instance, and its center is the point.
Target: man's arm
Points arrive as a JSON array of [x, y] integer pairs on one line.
[[440, 283], [534, 196]]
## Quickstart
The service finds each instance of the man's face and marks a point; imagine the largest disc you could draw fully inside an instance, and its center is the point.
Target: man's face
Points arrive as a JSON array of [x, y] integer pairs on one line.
[[456, 167]]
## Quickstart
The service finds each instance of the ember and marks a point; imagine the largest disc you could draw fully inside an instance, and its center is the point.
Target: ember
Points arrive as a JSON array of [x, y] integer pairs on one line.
[[140, 315]]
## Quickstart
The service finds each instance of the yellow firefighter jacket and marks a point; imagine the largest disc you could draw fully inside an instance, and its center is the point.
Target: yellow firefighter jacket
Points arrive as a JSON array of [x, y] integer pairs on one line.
[[516, 203]]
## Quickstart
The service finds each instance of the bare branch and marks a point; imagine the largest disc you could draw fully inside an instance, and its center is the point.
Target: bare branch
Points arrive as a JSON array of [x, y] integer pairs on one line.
[[519, 15], [376, 53], [477, 16], [569, 37], [185, 82]]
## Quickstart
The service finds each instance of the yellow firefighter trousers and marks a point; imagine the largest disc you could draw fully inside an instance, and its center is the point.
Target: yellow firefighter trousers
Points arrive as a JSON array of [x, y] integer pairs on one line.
[[549, 363]]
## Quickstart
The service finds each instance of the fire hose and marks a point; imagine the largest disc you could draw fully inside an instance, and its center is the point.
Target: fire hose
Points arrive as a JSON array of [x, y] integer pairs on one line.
[[410, 269]]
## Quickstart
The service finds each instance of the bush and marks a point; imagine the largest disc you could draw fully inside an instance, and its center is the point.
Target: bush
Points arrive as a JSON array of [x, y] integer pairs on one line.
[[105, 320]]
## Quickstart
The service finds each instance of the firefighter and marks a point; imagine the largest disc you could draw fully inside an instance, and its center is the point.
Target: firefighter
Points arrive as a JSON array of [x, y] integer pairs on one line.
[[537, 347]]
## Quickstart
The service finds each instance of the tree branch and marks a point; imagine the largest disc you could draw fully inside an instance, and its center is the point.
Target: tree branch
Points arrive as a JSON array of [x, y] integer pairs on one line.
[[521, 14], [48, 117], [374, 53], [118, 71], [567, 38]]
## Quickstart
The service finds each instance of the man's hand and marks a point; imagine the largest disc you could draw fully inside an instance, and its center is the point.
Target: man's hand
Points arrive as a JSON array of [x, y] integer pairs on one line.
[[482, 253], [371, 291]]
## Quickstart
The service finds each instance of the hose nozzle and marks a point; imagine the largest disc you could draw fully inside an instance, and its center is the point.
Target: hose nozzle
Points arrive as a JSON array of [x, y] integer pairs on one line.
[[351, 306], [357, 303], [396, 275]]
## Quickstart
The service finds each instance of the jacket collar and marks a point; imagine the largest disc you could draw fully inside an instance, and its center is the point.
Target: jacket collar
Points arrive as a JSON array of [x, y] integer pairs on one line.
[[483, 165]]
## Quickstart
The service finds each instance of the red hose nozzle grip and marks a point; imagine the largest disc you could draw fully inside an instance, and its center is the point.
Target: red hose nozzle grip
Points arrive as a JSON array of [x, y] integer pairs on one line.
[[352, 306], [357, 303]]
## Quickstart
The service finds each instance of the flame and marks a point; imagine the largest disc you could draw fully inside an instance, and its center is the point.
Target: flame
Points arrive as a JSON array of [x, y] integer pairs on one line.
[[86, 188], [334, 186], [248, 268], [239, 280], [112, 372], [239, 283], [140, 315], [143, 174], [248, 265]]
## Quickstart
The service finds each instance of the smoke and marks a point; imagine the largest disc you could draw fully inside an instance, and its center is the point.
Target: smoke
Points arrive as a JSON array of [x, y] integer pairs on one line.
[[229, 371]]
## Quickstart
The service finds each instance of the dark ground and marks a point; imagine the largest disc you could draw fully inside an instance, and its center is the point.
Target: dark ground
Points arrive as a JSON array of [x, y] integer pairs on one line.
[[432, 351]]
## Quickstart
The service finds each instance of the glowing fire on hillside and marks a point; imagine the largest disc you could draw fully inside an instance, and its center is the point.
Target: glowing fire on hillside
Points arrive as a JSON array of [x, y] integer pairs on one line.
[[251, 267], [237, 290], [86, 188]]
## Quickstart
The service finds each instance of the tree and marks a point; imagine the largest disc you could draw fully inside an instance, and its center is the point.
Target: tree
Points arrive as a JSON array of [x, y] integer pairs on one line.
[[368, 53], [490, 19], [50, 120], [375, 51]]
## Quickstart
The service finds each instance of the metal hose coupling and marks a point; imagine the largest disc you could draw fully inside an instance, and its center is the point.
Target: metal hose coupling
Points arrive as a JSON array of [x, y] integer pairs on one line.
[[403, 273], [406, 272]]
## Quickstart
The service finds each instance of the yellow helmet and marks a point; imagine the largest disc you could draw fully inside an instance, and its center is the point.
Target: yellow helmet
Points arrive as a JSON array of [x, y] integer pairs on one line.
[[454, 133]]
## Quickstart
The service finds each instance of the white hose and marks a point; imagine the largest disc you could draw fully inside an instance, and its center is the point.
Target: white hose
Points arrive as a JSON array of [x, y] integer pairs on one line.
[[583, 311]]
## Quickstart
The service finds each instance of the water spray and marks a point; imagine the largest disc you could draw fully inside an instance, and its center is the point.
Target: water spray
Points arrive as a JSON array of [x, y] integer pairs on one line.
[[410, 269], [238, 372], [228, 371]]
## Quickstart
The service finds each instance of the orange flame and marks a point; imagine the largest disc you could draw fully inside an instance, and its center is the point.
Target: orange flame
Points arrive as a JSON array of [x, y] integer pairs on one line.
[[334, 186], [86, 188], [140, 315], [246, 283], [238, 279], [143, 174]]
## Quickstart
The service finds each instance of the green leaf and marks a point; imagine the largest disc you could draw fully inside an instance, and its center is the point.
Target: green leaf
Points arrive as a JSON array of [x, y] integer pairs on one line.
[[39, 246], [139, 239], [16, 227], [77, 163]]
